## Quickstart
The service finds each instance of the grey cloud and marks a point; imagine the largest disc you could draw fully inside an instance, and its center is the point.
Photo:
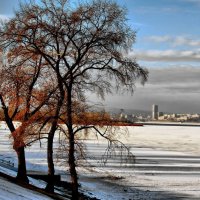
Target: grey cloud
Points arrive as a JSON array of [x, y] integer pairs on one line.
[[185, 41], [167, 55], [191, 89], [171, 75], [175, 41], [179, 80], [162, 89], [174, 89]]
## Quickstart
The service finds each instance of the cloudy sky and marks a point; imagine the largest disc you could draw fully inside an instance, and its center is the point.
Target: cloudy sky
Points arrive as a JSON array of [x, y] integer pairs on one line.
[[168, 44]]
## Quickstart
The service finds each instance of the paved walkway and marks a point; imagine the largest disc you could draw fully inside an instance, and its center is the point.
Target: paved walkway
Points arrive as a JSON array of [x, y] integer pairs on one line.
[[10, 191]]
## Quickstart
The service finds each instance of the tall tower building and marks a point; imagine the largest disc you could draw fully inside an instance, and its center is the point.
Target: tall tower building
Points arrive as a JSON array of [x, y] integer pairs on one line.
[[155, 112]]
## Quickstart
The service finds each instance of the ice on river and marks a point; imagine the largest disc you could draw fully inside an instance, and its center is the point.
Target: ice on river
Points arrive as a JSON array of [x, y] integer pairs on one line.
[[167, 164]]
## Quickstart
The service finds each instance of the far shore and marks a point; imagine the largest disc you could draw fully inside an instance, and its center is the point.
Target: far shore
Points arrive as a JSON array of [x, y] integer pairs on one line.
[[161, 123]]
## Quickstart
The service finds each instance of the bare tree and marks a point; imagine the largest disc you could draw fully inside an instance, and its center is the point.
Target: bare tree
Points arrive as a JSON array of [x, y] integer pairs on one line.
[[84, 45], [52, 120], [22, 99], [28, 93]]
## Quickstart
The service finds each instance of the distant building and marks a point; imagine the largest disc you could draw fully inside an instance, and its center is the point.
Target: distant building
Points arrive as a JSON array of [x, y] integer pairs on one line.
[[160, 114], [155, 112]]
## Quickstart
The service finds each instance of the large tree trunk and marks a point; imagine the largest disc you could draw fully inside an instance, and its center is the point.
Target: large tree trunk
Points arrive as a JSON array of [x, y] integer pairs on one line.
[[71, 159], [21, 173]]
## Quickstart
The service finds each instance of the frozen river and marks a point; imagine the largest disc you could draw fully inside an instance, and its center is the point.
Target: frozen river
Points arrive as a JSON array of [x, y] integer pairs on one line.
[[167, 164]]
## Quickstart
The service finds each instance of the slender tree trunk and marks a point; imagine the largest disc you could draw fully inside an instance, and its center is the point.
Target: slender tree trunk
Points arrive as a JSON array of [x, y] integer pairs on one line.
[[21, 173], [71, 161], [51, 170], [72, 167]]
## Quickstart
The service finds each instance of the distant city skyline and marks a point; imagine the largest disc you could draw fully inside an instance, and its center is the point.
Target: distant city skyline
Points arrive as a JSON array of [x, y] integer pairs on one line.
[[168, 45]]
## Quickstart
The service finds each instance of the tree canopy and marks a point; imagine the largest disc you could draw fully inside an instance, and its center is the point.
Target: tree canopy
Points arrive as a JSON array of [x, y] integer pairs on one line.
[[83, 46]]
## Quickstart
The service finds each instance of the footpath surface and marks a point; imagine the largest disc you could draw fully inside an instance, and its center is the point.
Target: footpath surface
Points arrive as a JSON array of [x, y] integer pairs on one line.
[[9, 190]]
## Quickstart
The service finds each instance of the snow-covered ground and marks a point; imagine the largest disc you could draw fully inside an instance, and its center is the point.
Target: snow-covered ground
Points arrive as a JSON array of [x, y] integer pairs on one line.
[[167, 164], [10, 191]]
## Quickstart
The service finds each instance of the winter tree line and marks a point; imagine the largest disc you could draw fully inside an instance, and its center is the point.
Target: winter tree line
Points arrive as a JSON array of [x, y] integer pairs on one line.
[[52, 54]]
